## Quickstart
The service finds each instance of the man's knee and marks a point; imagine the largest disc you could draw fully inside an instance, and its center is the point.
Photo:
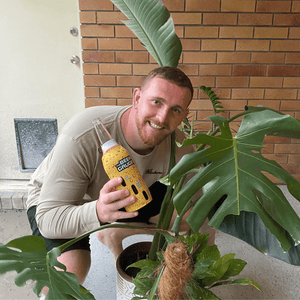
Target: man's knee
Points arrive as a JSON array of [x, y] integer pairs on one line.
[[113, 235], [77, 261]]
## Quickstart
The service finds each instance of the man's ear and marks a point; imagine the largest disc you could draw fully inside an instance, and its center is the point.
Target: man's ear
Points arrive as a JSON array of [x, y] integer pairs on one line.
[[136, 97]]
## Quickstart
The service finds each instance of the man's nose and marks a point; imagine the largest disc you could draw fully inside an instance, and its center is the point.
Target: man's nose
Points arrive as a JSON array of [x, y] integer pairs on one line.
[[163, 115]]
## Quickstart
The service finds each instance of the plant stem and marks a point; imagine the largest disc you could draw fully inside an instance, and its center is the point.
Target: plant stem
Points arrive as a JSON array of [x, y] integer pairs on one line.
[[164, 211], [73, 241], [152, 294], [178, 220], [170, 210], [169, 214]]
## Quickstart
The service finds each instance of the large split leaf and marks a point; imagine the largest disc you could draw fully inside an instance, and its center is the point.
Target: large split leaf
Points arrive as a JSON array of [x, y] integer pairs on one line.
[[29, 258], [150, 21], [249, 227], [234, 171]]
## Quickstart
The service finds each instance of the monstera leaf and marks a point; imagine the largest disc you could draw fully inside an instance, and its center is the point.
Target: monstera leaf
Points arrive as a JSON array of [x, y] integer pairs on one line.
[[150, 21], [234, 171], [29, 258], [249, 227]]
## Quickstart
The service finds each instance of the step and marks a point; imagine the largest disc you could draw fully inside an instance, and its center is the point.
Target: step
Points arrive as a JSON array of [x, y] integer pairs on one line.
[[13, 194]]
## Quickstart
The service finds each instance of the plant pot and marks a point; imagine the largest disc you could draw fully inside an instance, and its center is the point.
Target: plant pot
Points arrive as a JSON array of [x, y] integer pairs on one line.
[[131, 254]]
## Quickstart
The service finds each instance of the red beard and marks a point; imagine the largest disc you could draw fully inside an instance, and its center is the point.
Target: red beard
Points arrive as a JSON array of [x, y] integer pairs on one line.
[[155, 138]]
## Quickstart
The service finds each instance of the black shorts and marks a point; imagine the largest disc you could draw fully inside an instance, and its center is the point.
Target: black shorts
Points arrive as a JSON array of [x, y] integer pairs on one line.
[[157, 190], [83, 244]]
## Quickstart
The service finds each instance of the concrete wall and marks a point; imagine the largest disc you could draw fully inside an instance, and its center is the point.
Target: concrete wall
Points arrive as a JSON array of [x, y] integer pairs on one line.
[[277, 279]]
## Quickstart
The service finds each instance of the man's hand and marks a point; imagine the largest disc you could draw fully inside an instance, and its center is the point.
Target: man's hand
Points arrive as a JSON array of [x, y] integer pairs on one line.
[[111, 200]]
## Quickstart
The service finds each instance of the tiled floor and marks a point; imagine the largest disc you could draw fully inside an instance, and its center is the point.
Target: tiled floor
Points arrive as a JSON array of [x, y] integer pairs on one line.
[[101, 280]]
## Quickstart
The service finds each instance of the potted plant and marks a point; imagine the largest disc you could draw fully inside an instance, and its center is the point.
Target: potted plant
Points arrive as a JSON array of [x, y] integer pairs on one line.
[[187, 269], [228, 167]]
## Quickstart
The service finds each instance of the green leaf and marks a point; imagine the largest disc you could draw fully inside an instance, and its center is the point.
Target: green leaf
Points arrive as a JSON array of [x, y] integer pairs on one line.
[[29, 258], [142, 285], [143, 281], [246, 227], [195, 291], [235, 267], [195, 242], [235, 169], [147, 267], [150, 21], [165, 180], [202, 269], [210, 252], [220, 268], [28, 244], [208, 256], [240, 281], [212, 96], [160, 256], [169, 238]]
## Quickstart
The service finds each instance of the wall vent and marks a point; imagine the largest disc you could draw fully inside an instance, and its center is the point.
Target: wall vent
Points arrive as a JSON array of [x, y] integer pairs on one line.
[[35, 139]]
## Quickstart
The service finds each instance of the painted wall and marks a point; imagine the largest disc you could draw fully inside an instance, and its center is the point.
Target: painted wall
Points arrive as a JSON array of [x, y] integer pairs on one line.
[[37, 79]]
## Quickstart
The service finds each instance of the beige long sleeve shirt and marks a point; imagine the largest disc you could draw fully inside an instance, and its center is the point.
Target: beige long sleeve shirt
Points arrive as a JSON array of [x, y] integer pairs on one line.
[[66, 186]]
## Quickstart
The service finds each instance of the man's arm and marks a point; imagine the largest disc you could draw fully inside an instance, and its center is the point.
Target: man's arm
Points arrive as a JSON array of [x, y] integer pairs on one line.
[[61, 211]]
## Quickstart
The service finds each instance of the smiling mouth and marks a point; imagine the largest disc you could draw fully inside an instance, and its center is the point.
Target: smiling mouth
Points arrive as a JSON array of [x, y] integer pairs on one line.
[[155, 126]]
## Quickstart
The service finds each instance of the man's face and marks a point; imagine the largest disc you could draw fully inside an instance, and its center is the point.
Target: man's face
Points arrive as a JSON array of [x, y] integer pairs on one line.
[[160, 108]]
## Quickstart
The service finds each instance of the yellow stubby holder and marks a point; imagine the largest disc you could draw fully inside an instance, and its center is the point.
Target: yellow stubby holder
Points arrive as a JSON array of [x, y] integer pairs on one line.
[[117, 162]]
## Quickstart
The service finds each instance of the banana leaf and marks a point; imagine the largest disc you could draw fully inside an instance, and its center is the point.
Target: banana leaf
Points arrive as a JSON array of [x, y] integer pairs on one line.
[[234, 171], [150, 21]]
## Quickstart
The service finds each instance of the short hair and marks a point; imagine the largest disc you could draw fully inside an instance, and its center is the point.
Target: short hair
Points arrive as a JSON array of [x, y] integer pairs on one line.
[[171, 74]]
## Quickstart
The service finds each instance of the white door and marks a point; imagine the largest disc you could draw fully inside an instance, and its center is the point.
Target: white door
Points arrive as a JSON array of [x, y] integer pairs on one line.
[[37, 79]]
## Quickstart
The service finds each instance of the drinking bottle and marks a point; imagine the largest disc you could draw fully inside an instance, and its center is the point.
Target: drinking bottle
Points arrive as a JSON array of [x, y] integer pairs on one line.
[[117, 162]]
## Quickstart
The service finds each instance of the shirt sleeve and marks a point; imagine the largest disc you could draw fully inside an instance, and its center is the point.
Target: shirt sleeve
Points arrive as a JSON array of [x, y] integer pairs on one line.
[[61, 210]]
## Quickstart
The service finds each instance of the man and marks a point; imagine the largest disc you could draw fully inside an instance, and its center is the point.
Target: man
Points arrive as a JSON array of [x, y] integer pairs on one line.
[[70, 194]]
